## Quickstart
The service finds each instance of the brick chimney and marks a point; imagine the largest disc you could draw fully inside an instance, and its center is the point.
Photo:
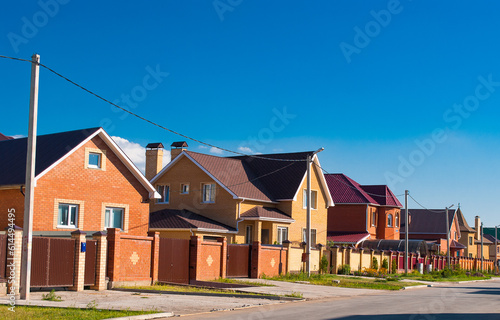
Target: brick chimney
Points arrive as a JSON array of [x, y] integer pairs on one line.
[[154, 159], [478, 228], [176, 149]]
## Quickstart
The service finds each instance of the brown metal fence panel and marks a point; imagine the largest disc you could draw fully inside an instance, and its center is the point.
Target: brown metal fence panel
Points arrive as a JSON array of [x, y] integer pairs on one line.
[[238, 260], [3, 255], [52, 262], [174, 260], [90, 262]]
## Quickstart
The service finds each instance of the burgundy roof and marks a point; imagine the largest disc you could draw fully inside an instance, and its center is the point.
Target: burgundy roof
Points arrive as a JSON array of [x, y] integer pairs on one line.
[[383, 195], [265, 212], [346, 237], [257, 178], [427, 221], [4, 137], [183, 219], [345, 190]]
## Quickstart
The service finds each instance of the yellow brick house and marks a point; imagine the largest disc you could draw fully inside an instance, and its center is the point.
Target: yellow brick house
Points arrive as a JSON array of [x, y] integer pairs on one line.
[[243, 198]]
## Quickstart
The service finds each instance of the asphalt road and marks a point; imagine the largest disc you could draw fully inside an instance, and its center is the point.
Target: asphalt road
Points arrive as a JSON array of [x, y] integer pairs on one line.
[[474, 301]]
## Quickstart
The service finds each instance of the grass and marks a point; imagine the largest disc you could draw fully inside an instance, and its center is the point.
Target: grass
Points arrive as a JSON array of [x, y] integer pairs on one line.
[[346, 282], [250, 283], [440, 276], [34, 312], [190, 289], [51, 296]]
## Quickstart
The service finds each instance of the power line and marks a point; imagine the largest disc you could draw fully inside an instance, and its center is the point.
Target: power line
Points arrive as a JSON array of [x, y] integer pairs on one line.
[[434, 211], [149, 121]]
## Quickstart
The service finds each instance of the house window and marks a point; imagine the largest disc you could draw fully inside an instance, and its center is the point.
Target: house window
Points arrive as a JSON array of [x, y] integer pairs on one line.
[[470, 241], [113, 218], [314, 198], [456, 236], [374, 218], [282, 234], [94, 160], [164, 191], [184, 188], [313, 236], [68, 215], [470, 255], [389, 220], [248, 235], [396, 223], [208, 195]]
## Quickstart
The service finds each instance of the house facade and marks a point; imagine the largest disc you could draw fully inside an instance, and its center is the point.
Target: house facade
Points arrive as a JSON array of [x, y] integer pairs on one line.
[[83, 181], [245, 198], [361, 212]]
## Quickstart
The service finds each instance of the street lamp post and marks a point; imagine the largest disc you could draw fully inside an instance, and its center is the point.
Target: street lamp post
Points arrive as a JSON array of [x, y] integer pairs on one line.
[[308, 219]]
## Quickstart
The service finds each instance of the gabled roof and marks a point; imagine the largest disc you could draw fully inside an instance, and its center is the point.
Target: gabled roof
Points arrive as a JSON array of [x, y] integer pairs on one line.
[[51, 149], [4, 137], [427, 221], [462, 222], [456, 245], [486, 240], [490, 238], [184, 219], [255, 178], [345, 190], [347, 237], [266, 214]]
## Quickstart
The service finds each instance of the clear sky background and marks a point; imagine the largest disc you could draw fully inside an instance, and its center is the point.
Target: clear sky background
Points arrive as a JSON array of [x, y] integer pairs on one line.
[[401, 93]]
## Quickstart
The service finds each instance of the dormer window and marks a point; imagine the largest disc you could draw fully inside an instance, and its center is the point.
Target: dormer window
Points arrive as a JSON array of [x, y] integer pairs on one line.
[[94, 160], [208, 193]]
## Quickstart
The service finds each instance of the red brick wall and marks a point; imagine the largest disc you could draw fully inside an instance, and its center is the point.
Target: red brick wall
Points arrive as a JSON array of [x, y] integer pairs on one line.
[[270, 260], [69, 180], [209, 262], [347, 218], [383, 231], [11, 199]]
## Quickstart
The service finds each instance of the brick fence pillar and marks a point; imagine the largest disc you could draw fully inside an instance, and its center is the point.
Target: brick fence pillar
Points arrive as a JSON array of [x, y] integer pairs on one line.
[[100, 266], [361, 252], [223, 257], [334, 264], [113, 255], [194, 256], [256, 249], [320, 248], [79, 275], [288, 245], [155, 255], [14, 253]]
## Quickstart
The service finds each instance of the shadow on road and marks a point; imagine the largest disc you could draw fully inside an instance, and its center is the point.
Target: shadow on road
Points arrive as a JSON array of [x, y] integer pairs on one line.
[[434, 316]]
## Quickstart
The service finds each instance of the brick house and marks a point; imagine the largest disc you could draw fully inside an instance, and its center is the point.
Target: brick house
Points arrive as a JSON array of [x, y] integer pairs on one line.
[[471, 238], [244, 198], [361, 212], [430, 225], [83, 180]]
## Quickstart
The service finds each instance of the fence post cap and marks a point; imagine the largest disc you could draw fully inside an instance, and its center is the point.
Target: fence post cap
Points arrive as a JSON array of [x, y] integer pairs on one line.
[[100, 233], [78, 232]]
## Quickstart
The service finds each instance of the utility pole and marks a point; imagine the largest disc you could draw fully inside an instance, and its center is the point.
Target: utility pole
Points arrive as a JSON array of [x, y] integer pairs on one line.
[[30, 181], [496, 249], [308, 219], [407, 231], [448, 237], [482, 250]]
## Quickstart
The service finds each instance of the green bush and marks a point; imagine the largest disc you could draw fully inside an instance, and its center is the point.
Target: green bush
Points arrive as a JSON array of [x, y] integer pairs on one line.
[[375, 263], [394, 266], [345, 269], [385, 264], [323, 265]]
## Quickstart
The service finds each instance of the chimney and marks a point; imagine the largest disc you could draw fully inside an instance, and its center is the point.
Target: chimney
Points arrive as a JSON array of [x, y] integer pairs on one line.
[[154, 159], [478, 228], [176, 148]]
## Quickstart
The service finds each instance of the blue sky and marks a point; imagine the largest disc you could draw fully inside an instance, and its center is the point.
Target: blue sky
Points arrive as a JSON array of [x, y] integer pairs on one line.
[[405, 93]]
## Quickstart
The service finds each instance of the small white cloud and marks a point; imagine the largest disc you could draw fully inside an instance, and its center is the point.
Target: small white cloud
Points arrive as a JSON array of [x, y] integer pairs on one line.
[[215, 150], [245, 150], [18, 136], [202, 147]]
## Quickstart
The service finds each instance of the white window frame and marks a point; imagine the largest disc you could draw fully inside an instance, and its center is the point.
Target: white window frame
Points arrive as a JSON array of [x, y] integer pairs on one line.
[[210, 188], [165, 196], [184, 188], [314, 197], [390, 221], [282, 231], [112, 216], [374, 218], [313, 236], [68, 225], [99, 160], [396, 220], [248, 234]]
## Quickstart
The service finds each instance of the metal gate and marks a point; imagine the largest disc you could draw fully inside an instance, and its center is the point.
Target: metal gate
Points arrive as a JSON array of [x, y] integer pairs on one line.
[[52, 262], [238, 260], [174, 260], [3, 255], [90, 262]]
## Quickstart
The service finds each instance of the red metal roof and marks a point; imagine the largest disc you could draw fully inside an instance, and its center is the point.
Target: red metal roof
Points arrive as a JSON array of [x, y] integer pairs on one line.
[[383, 195], [345, 190], [346, 237]]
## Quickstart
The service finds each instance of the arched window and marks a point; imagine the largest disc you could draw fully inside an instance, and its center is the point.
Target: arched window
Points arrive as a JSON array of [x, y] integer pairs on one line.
[[389, 220], [396, 223]]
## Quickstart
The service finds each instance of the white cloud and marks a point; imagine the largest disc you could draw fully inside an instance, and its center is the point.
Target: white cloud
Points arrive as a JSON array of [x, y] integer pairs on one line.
[[18, 136], [216, 150], [202, 147], [137, 153], [245, 150]]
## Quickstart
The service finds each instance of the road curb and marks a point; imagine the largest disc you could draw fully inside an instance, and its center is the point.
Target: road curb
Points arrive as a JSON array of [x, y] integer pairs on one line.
[[146, 316], [421, 286]]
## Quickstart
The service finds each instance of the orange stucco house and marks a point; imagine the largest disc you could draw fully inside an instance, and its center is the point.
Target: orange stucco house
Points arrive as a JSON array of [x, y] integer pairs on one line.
[[83, 181], [361, 212], [244, 198]]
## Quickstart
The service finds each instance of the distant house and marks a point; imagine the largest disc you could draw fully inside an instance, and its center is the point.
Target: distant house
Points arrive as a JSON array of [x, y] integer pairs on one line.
[[83, 180], [243, 198], [430, 225], [471, 238], [361, 212], [491, 247]]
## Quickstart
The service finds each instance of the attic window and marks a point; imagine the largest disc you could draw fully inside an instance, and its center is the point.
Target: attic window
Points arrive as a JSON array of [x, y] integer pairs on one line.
[[314, 199], [94, 160]]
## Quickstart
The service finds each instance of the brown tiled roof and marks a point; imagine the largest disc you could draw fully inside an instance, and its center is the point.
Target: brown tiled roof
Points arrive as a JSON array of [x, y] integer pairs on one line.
[[265, 212], [456, 245], [183, 219], [490, 238], [423, 221], [347, 237], [179, 144], [485, 240], [257, 178], [462, 222]]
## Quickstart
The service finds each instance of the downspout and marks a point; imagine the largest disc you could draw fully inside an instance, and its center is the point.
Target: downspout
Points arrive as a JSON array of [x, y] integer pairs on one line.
[[239, 218]]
